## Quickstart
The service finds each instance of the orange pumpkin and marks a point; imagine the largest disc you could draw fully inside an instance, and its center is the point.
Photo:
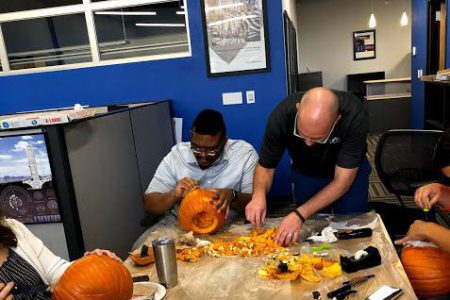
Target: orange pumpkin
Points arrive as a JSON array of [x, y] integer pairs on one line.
[[198, 214], [142, 260], [94, 277], [428, 270]]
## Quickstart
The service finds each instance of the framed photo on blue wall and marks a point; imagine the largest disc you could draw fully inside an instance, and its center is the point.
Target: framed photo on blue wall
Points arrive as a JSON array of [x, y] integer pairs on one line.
[[236, 36], [364, 45]]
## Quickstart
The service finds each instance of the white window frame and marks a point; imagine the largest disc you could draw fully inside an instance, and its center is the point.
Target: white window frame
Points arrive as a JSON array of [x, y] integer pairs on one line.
[[88, 8]]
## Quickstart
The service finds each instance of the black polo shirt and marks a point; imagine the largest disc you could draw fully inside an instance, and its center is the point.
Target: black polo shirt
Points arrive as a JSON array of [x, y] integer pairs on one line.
[[346, 146]]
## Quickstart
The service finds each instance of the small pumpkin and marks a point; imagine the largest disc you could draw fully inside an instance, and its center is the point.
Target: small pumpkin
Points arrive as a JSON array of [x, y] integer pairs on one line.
[[94, 277], [143, 257], [428, 270], [198, 214]]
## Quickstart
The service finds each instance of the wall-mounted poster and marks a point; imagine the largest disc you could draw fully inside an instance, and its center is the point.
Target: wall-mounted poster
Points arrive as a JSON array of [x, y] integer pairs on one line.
[[364, 45], [27, 193], [236, 38]]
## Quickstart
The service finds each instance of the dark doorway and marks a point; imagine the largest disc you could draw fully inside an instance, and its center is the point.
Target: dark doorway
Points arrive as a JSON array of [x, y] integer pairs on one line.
[[290, 46], [437, 21]]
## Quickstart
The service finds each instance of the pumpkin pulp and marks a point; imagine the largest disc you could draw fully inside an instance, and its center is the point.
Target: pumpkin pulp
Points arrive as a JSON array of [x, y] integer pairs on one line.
[[197, 212], [203, 222]]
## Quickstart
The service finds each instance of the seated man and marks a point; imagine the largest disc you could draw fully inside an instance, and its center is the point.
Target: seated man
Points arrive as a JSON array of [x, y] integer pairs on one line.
[[432, 194], [209, 161]]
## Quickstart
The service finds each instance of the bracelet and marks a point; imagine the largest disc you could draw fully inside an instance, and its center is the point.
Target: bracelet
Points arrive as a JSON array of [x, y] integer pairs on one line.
[[299, 215]]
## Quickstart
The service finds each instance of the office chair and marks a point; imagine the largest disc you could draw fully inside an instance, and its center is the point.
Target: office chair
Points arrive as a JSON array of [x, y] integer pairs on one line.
[[404, 160]]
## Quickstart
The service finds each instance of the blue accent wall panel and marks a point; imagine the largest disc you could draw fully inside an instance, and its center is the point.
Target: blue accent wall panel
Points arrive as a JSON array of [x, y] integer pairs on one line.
[[418, 61], [183, 80]]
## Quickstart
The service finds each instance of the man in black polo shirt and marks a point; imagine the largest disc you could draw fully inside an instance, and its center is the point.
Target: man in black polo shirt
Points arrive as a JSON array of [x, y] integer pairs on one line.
[[325, 133]]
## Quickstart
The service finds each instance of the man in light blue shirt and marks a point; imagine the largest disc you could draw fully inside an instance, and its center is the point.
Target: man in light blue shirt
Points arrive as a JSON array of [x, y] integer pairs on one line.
[[209, 161]]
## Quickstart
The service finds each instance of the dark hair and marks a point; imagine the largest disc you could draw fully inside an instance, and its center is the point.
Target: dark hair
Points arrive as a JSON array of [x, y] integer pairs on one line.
[[443, 149], [209, 122], [7, 236]]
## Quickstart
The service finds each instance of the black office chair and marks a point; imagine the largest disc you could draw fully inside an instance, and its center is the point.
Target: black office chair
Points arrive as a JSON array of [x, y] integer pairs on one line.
[[404, 160]]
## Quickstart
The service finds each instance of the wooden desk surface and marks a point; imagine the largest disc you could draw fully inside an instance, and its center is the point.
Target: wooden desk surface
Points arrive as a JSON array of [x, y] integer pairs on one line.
[[237, 278]]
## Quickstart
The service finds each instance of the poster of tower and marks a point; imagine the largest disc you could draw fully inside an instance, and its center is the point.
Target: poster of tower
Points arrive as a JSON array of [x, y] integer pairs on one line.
[[236, 36], [26, 187]]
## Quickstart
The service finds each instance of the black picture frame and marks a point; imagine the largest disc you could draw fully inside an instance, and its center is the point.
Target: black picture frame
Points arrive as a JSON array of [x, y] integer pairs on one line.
[[364, 44], [237, 37]]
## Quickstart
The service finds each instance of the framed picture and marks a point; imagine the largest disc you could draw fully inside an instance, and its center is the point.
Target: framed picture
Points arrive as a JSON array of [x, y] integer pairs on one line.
[[236, 37], [364, 44]]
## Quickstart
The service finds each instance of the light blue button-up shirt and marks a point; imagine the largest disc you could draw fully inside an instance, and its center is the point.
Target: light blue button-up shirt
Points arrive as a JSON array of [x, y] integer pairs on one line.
[[232, 170]]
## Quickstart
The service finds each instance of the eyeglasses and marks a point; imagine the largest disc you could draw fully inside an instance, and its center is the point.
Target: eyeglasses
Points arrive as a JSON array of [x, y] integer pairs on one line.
[[208, 151], [321, 141]]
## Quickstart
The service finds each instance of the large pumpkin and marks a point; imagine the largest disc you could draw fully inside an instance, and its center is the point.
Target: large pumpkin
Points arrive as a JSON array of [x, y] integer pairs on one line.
[[428, 270], [198, 214], [94, 277]]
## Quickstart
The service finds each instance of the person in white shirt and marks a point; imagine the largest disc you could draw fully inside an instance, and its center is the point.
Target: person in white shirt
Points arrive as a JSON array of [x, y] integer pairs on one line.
[[430, 195], [209, 161], [25, 262]]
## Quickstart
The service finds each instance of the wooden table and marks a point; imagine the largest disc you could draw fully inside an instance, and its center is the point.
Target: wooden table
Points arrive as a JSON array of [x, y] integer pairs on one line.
[[237, 278]]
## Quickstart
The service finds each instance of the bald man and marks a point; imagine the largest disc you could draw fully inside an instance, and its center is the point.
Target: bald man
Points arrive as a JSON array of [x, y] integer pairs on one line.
[[325, 134]]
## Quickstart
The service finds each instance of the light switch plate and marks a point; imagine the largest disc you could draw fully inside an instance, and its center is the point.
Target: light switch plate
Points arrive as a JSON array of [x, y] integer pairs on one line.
[[250, 97], [232, 98], [414, 50], [419, 73]]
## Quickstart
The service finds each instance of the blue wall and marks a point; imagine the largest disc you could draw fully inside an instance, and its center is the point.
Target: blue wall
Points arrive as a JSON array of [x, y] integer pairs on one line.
[[419, 40], [182, 80], [419, 61]]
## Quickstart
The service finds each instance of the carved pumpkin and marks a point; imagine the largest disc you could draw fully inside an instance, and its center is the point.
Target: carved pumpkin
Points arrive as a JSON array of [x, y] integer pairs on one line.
[[143, 257], [198, 214], [94, 277], [428, 270]]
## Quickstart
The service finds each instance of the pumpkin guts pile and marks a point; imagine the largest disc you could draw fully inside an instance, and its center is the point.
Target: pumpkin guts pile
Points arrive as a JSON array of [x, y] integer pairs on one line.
[[280, 263], [198, 214], [307, 267], [257, 243]]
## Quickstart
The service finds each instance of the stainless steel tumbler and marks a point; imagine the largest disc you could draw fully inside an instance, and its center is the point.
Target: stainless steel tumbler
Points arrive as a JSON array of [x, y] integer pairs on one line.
[[166, 261]]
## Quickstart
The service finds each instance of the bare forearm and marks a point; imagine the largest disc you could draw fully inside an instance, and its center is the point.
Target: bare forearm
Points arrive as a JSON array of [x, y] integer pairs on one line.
[[262, 181], [330, 193], [159, 203], [438, 235]]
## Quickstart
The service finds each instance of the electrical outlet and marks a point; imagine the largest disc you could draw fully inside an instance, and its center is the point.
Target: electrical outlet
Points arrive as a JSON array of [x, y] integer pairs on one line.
[[232, 98], [419, 73], [250, 97]]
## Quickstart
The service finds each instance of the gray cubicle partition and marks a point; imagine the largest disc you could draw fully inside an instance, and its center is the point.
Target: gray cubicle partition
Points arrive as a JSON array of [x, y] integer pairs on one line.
[[111, 158], [153, 138]]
